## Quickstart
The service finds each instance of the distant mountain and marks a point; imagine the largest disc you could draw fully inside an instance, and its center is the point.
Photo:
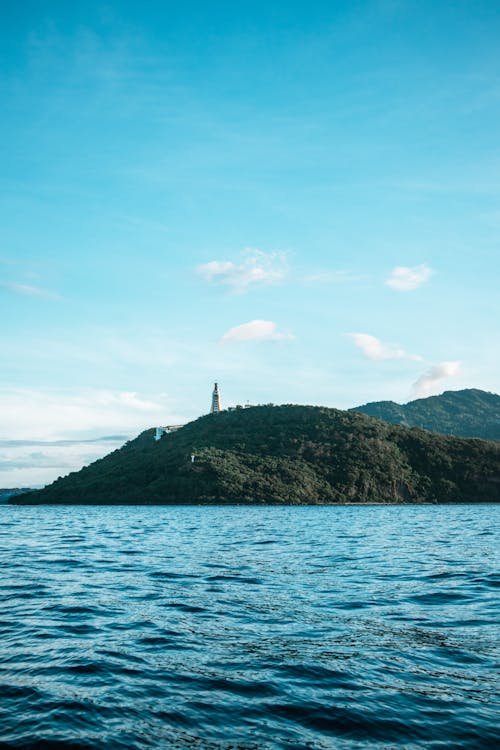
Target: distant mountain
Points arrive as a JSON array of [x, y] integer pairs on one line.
[[5, 494], [467, 413], [300, 455]]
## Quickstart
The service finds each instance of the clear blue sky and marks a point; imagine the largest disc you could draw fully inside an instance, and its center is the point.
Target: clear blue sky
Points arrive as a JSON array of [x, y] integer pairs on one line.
[[300, 200]]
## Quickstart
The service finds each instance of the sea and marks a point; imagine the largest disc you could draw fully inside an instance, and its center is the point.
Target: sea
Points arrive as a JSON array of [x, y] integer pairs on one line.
[[249, 628]]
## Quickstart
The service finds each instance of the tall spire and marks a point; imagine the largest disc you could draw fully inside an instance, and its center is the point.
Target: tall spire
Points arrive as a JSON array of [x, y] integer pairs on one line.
[[215, 408]]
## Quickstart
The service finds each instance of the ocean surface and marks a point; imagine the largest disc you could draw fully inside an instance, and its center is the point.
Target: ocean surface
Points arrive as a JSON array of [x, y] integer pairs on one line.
[[249, 628]]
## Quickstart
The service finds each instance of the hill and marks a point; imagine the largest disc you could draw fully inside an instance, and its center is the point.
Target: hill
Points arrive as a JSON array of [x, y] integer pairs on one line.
[[285, 454], [467, 413]]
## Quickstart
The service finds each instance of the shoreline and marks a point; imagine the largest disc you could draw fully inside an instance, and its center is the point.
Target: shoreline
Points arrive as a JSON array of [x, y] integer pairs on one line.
[[252, 505]]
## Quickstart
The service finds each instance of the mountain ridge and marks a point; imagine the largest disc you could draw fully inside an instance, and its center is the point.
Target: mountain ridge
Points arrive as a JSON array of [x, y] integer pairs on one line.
[[470, 413]]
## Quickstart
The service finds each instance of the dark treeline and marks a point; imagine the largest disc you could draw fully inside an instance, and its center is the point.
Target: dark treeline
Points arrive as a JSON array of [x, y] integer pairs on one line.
[[286, 454]]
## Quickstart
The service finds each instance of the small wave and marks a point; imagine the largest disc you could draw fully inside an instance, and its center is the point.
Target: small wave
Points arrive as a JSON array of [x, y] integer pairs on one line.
[[263, 542], [310, 629], [235, 578], [439, 598], [20, 692], [185, 607], [171, 575]]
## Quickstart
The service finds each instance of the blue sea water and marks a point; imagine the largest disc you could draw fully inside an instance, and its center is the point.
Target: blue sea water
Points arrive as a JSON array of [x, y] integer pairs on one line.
[[250, 628]]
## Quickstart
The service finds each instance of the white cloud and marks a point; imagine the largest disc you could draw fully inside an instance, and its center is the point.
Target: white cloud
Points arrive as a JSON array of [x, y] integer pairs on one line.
[[255, 330], [26, 463], [377, 351], [50, 415], [256, 268], [45, 433], [404, 278], [428, 382], [32, 291], [129, 399]]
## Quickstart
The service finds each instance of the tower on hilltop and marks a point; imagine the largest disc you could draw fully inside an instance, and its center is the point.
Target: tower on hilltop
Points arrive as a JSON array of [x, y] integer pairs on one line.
[[215, 408]]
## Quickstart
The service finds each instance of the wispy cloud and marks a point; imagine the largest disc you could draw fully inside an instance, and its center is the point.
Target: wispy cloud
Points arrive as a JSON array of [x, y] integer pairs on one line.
[[428, 382], [377, 350], [47, 433], [128, 399], [255, 330], [406, 278], [36, 462], [42, 414], [32, 291], [256, 268], [61, 443]]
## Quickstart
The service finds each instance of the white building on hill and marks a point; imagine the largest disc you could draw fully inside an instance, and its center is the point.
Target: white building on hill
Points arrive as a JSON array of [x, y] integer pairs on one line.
[[160, 431]]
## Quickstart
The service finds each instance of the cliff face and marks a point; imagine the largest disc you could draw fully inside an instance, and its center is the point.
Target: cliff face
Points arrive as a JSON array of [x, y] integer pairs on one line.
[[467, 413], [286, 454]]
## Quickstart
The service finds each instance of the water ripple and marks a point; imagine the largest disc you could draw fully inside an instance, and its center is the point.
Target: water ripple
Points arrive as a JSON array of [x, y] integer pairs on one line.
[[249, 628]]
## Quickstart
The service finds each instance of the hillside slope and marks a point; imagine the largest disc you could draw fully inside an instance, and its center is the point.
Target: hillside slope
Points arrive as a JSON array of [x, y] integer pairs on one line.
[[467, 413], [286, 454]]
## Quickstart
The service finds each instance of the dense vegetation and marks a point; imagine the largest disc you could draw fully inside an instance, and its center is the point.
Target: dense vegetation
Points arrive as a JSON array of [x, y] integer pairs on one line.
[[467, 413], [286, 454]]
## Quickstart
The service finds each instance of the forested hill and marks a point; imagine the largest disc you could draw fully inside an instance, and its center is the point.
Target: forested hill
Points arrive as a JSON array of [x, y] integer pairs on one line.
[[286, 454], [467, 413]]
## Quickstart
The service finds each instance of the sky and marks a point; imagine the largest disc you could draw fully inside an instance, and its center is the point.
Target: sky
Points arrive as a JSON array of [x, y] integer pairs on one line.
[[298, 200]]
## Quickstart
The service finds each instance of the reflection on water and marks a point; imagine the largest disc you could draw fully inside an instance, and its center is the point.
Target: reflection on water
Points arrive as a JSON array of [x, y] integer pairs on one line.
[[279, 627]]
